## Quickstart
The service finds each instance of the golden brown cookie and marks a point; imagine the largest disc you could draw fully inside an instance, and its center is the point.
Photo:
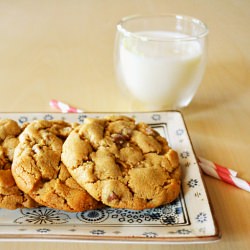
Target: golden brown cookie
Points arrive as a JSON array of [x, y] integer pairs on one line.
[[122, 164], [39, 172], [11, 197]]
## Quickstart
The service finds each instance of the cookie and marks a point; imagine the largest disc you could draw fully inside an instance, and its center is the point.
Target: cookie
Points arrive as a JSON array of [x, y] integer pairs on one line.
[[39, 172], [122, 164], [11, 197]]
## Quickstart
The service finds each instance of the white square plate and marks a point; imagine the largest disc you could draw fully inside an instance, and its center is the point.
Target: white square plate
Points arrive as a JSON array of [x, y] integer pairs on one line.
[[187, 219]]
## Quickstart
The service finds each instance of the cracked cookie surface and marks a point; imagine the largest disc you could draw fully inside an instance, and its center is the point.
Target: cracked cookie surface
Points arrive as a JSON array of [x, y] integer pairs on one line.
[[39, 172], [11, 197], [121, 163]]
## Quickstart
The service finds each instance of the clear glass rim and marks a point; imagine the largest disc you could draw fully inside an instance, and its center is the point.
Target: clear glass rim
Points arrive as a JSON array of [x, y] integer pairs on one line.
[[120, 27]]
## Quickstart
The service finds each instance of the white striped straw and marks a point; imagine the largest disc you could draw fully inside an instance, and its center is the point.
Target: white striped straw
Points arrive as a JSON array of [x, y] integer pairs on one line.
[[63, 107], [217, 167], [223, 174]]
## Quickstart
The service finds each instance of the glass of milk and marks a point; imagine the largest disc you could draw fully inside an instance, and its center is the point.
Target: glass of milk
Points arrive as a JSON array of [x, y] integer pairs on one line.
[[160, 60]]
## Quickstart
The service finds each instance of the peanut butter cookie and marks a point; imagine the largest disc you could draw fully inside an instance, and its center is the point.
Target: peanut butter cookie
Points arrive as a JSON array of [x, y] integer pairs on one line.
[[39, 172], [11, 197], [122, 164]]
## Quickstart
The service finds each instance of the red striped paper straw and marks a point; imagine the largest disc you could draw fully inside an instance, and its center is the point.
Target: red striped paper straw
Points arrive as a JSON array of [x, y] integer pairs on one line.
[[222, 173], [63, 107], [218, 168]]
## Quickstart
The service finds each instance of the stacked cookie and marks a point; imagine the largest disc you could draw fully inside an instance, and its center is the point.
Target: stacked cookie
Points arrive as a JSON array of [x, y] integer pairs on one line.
[[11, 197], [110, 161]]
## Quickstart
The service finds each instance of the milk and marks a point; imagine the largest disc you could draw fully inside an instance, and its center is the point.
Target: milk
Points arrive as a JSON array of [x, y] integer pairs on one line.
[[162, 74]]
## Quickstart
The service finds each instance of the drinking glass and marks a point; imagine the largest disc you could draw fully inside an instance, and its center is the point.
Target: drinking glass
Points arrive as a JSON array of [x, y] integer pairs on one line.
[[160, 60]]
